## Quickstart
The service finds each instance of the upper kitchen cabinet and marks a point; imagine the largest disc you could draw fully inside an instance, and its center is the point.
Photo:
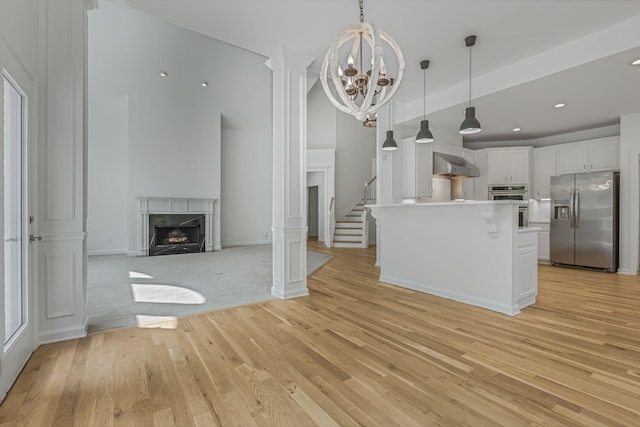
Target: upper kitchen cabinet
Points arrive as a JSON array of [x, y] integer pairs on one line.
[[596, 155], [509, 165], [544, 167]]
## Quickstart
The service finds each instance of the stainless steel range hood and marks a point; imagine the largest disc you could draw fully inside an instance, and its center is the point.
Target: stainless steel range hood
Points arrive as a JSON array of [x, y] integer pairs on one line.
[[453, 166]]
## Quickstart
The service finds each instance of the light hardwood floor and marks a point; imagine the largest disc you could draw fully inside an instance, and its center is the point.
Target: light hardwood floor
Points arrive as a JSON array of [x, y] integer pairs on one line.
[[355, 352]]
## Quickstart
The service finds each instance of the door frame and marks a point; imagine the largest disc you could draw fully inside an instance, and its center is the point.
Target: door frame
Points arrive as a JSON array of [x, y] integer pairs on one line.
[[21, 347]]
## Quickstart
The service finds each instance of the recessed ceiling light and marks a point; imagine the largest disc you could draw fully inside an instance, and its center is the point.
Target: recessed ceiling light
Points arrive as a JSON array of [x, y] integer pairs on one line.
[[163, 74], [517, 129], [636, 62], [204, 84], [560, 105]]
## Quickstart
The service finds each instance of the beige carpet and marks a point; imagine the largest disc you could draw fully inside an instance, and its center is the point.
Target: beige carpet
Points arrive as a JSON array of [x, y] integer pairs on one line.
[[129, 291]]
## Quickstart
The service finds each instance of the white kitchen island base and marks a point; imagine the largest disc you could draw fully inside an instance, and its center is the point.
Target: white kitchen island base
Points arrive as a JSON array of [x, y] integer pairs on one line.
[[471, 251]]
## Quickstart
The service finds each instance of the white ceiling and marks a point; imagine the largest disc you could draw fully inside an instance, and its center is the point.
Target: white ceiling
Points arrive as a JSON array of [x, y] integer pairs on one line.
[[530, 54]]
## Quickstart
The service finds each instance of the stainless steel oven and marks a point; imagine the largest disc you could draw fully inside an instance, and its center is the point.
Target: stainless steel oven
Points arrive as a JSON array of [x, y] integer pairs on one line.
[[512, 192]]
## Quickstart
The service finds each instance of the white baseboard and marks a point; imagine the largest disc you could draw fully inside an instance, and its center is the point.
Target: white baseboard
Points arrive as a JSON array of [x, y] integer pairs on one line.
[[63, 334], [291, 294], [254, 243], [108, 252], [439, 292]]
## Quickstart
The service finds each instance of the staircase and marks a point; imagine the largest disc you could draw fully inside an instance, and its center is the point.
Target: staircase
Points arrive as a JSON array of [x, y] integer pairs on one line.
[[352, 231]]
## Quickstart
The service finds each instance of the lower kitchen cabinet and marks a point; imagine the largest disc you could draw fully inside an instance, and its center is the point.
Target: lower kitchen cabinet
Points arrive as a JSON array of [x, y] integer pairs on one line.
[[544, 249]]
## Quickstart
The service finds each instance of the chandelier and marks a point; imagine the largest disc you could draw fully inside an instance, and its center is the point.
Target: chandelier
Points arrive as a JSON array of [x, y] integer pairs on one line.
[[353, 90]]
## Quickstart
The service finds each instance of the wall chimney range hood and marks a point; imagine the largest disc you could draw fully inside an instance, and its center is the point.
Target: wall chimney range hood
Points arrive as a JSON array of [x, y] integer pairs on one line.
[[454, 167]]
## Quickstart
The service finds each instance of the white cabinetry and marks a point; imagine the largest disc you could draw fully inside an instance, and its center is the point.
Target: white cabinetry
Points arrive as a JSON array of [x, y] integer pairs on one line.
[[509, 165], [544, 167], [416, 168], [601, 154], [544, 250], [467, 183]]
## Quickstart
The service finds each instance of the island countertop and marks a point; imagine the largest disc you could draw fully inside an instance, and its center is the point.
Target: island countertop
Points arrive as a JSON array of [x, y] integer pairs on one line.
[[470, 251], [454, 203]]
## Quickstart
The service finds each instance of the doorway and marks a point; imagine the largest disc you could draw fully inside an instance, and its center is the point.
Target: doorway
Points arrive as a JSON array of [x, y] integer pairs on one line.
[[17, 317], [312, 211]]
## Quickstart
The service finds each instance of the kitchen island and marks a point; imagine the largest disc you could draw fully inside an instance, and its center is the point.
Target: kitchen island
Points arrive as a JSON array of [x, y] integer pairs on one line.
[[469, 251]]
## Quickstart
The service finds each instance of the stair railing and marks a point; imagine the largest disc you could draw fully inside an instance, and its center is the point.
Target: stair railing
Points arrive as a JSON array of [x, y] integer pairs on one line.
[[332, 222], [370, 191]]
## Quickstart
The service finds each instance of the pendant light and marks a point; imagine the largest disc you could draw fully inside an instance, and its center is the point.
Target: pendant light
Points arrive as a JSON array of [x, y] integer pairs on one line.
[[470, 124], [424, 135], [389, 143]]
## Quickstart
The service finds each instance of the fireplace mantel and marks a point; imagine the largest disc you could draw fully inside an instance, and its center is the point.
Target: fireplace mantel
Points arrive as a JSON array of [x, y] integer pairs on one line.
[[177, 205]]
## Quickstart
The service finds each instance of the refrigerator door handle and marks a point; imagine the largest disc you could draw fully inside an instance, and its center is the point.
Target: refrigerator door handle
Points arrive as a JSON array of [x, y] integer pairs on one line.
[[576, 208], [571, 209]]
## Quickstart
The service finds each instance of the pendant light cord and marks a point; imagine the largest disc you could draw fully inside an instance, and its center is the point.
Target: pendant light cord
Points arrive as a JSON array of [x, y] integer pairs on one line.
[[469, 76], [361, 11], [424, 95]]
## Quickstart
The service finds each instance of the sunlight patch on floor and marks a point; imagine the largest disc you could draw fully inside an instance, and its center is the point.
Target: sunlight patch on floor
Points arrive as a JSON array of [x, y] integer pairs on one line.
[[161, 322], [137, 275], [165, 294]]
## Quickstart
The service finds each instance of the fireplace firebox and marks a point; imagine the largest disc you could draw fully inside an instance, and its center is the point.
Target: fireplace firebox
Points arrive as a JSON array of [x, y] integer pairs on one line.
[[176, 234]]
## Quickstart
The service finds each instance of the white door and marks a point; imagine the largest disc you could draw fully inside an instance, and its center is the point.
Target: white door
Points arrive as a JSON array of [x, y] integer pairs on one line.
[[17, 317]]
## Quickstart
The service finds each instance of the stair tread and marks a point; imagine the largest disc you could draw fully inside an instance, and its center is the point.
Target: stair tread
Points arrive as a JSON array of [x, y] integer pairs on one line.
[[347, 220]]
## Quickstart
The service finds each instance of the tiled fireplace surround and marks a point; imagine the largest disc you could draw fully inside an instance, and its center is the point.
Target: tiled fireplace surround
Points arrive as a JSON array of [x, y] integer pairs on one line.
[[175, 205]]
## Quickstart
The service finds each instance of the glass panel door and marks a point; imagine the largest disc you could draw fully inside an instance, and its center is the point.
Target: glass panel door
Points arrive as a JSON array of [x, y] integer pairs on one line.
[[14, 227]]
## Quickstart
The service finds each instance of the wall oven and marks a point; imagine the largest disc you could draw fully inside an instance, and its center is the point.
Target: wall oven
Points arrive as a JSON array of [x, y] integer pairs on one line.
[[512, 192]]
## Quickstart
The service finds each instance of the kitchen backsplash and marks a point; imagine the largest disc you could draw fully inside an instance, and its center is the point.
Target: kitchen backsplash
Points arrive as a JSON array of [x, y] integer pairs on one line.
[[539, 210]]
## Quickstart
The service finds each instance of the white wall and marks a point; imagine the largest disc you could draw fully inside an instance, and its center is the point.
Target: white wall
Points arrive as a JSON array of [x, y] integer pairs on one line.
[[178, 145], [321, 119], [629, 194], [246, 187], [19, 31], [108, 175]]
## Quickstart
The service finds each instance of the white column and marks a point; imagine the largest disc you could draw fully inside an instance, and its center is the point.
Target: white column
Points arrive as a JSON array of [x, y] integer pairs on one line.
[[289, 173], [60, 213], [629, 236]]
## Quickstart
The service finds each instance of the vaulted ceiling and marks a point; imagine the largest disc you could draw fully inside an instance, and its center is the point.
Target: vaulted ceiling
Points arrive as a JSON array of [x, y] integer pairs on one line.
[[530, 54]]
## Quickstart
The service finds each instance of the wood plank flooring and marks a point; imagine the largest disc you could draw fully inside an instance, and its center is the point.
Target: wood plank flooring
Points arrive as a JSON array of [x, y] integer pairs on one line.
[[355, 352]]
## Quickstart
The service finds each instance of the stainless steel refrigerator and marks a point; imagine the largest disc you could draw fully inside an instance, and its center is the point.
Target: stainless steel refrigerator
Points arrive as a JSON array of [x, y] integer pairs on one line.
[[584, 220]]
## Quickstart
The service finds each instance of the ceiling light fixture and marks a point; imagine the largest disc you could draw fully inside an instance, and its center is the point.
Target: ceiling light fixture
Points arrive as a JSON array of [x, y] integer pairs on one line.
[[354, 91], [390, 143], [470, 124], [424, 135], [204, 84], [636, 62], [517, 129], [560, 105], [163, 74]]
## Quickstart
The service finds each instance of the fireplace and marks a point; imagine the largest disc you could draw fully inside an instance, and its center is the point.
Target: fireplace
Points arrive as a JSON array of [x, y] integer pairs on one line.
[[172, 225], [176, 234]]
